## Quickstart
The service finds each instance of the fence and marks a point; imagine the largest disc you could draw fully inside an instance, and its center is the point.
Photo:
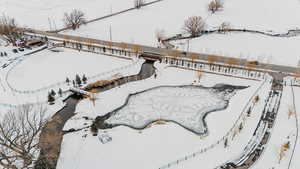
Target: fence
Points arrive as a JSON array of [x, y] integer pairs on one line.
[[241, 118], [60, 84], [216, 68]]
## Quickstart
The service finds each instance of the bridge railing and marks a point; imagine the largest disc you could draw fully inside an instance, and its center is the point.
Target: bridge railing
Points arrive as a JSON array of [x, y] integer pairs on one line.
[[215, 68]]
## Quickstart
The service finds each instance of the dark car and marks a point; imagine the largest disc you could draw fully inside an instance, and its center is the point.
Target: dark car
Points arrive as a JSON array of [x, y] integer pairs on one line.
[[21, 49], [15, 50]]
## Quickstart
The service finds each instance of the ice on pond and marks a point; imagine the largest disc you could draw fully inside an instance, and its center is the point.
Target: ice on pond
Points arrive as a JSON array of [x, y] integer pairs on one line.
[[184, 105]]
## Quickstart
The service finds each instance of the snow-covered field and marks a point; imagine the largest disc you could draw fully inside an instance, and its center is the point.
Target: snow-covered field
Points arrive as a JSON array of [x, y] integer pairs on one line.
[[28, 79], [169, 16], [295, 163], [275, 50], [48, 14], [163, 143], [139, 26], [47, 67], [283, 132]]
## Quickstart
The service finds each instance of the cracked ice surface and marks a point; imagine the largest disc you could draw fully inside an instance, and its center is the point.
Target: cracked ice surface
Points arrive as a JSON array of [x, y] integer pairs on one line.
[[184, 105]]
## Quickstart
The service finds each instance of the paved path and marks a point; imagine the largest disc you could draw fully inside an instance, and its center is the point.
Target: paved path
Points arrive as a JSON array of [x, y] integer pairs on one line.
[[261, 136]]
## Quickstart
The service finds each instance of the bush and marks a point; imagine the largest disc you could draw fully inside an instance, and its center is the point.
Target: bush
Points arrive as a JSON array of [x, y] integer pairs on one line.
[[215, 5]]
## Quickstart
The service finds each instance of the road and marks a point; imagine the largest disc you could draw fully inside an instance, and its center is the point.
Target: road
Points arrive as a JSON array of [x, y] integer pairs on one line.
[[261, 136], [164, 52]]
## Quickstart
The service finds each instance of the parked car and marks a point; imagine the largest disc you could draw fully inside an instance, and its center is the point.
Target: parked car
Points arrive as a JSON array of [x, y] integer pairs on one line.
[[21, 49], [15, 50]]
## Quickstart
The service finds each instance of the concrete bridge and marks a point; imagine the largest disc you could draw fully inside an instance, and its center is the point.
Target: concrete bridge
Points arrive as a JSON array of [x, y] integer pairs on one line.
[[162, 52]]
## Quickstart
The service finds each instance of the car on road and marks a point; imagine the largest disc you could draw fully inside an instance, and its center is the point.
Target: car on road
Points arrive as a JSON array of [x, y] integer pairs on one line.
[[253, 63]]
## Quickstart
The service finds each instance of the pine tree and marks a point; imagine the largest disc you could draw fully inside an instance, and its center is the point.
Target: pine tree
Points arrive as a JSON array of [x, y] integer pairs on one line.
[[51, 99], [60, 92], [68, 81], [249, 112], [5, 54], [74, 85], [53, 93], [241, 127], [78, 80], [84, 79], [225, 142]]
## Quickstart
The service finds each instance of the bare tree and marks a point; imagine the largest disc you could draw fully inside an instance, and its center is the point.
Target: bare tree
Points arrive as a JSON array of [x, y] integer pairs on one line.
[[139, 3], [224, 27], [199, 75], [9, 29], [160, 35], [74, 19], [291, 111], [194, 25], [19, 132], [215, 5]]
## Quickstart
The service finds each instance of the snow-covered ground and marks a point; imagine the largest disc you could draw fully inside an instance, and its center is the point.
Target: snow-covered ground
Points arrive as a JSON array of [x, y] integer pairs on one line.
[[295, 163], [269, 15], [48, 14], [47, 67], [275, 50], [284, 131], [160, 144], [163, 143], [28, 79], [139, 26], [169, 16]]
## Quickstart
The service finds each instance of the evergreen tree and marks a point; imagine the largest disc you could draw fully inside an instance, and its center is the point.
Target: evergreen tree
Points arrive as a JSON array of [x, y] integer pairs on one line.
[[60, 92], [5, 54], [78, 80], [51, 99], [53, 93], [241, 127], [68, 81], [225, 143], [249, 112], [74, 85], [84, 79]]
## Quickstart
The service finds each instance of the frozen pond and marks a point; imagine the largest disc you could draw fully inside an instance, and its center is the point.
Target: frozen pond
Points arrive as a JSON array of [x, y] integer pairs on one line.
[[186, 106]]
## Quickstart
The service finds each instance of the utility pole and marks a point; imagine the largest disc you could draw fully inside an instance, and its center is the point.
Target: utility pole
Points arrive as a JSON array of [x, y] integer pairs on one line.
[[188, 46], [110, 32], [55, 28], [50, 24]]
